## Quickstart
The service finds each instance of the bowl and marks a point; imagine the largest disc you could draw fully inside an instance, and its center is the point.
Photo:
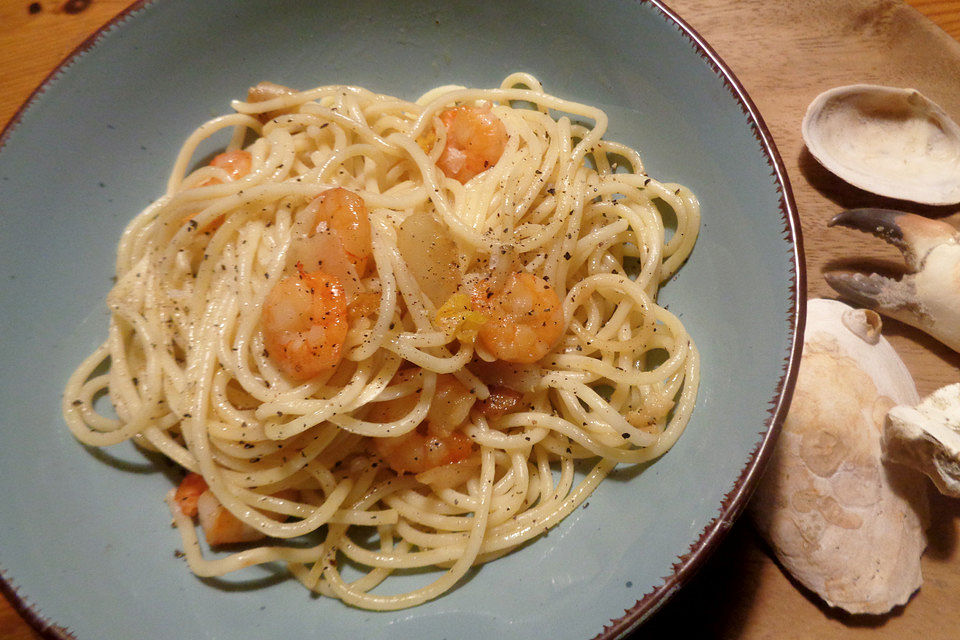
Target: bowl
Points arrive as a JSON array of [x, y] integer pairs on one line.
[[86, 550]]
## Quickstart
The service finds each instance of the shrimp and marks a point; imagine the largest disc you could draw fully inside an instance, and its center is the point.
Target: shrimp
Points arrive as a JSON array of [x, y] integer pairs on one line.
[[188, 492], [237, 164], [220, 526], [436, 441], [451, 405], [304, 323], [475, 141], [364, 305], [345, 214], [500, 402], [420, 450], [195, 500], [524, 319]]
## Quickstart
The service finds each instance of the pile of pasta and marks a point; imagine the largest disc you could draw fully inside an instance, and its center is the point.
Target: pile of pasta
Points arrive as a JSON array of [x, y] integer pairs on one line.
[[381, 334]]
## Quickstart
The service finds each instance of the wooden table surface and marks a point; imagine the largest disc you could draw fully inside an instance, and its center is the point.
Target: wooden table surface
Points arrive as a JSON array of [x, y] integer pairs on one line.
[[784, 52]]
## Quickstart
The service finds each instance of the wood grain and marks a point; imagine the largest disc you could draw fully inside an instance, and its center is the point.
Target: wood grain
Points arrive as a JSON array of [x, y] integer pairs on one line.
[[801, 50], [785, 53]]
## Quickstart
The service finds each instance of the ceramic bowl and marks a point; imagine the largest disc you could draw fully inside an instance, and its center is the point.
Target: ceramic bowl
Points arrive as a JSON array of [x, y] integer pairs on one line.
[[85, 544]]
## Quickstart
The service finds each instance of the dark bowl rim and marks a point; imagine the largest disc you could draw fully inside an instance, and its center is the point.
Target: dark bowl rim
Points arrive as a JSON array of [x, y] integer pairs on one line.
[[736, 499]]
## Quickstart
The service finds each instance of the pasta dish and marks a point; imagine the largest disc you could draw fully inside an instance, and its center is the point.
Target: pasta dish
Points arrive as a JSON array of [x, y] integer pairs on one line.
[[381, 335]]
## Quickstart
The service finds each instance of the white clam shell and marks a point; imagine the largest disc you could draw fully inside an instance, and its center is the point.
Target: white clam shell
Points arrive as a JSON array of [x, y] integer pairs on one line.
[[846, 524], [889, 141]]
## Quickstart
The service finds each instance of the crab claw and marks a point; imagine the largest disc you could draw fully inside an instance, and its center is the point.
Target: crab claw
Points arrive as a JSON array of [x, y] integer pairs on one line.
[[928, 298]]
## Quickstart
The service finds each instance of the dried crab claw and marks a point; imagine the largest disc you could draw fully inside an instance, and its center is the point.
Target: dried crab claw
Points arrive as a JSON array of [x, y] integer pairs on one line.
[[927, 437], [928, 297]]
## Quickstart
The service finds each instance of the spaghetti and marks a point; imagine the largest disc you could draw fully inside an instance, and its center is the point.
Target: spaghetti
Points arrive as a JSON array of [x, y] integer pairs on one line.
[[405, 321]]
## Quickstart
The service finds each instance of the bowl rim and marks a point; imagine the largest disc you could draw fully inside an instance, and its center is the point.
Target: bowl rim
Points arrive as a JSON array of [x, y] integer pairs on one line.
[[686, 566], [737, 498]]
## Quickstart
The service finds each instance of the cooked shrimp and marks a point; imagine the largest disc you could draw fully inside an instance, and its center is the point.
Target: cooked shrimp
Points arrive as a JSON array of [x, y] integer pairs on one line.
[[188, 492], [364, 305], [450, 406], [420, 450], [433, 443], [475, 141], [524, 318], [220, 526], [304, 322], [500, 402], [195, 500], [345, 214], [237, 164]]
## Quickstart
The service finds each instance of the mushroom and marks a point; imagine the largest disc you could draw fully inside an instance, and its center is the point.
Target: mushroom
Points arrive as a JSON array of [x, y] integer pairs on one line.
[[927, 437], [928, 298], [844, 523], [890, 141]]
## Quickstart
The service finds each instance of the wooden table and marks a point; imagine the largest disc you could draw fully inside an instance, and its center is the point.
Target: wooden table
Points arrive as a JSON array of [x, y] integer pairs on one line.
[[785, 53]]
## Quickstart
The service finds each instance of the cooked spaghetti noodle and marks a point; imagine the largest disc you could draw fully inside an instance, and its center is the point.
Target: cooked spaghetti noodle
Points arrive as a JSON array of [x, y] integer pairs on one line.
[[399, 321]]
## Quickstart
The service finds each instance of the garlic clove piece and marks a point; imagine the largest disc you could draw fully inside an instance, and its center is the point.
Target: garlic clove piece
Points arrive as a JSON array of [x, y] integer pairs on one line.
[[927, 438], [846, 524]]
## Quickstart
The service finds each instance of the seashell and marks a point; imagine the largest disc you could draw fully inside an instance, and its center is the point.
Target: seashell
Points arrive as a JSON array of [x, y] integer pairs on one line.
[[889, 141], [863, 323], [846, 524], [927, 438]]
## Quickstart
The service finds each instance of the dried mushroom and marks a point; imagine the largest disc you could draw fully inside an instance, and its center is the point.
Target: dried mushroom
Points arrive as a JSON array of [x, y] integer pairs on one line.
[[844, 523]]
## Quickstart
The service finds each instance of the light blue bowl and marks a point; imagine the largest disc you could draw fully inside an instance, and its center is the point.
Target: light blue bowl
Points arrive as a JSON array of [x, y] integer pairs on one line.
[[85, 542]]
